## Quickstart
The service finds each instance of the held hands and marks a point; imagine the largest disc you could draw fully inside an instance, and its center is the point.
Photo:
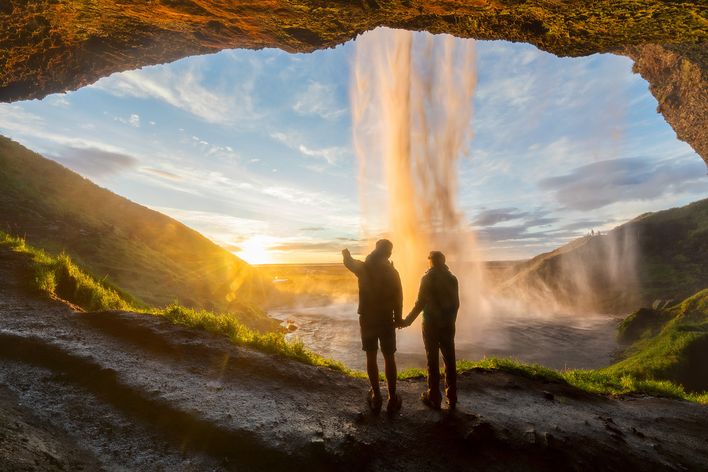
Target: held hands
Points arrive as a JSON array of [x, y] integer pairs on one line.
[[404, 323]]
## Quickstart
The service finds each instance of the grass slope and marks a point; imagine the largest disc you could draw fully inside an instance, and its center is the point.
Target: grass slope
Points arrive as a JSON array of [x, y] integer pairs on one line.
[[145, 253], [661, 255], [669, 344], [59, 278], [53, 273]]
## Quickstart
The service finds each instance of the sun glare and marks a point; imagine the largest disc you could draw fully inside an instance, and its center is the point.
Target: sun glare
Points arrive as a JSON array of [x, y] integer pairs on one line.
[[255, 250]]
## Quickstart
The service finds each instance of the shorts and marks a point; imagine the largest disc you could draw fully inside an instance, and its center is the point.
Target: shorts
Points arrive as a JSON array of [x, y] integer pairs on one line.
[[374, 334]]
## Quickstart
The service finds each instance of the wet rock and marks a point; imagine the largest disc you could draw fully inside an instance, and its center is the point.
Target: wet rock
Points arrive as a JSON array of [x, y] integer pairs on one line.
[[482, 432], [530, 436], [360, 418], [550, 441]]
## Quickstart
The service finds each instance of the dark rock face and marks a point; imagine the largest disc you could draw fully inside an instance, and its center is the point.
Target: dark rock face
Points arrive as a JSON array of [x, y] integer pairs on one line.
[[55, 46]]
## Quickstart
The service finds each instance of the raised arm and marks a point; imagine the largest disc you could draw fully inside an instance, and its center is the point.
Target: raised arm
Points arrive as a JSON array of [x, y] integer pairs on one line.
[[357, 267]]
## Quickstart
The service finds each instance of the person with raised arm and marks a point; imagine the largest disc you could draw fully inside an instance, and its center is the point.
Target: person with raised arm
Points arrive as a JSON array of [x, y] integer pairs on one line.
[[380, 310]]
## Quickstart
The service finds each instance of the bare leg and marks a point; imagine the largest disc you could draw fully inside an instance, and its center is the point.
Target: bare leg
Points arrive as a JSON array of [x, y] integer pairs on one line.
[[391, 374], [372, 368]]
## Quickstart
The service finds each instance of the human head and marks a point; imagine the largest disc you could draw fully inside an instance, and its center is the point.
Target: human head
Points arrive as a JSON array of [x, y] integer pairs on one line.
[[437, 259], [384, 247]]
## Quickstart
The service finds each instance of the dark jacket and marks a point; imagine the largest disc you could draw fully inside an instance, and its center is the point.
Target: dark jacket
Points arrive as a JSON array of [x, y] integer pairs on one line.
[[438, 297], [380, 291]]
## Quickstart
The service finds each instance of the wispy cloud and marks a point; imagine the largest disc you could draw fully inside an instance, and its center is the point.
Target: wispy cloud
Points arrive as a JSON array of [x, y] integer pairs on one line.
[[602, 183], [184, 88], [16, 121], [320, 100], [94, 162], [331, 155]]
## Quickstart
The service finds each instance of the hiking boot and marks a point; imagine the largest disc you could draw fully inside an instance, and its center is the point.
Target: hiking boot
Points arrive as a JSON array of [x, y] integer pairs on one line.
[[374, 401], [452, 403], [429, 402], [394, 404]]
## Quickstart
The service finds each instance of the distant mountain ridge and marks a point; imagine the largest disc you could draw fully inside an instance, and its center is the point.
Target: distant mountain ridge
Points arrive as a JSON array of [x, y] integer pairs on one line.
[[151, 256], [656, 256]]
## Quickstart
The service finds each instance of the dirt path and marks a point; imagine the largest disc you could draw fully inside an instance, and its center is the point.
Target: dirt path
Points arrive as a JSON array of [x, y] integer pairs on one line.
[[138, 393]]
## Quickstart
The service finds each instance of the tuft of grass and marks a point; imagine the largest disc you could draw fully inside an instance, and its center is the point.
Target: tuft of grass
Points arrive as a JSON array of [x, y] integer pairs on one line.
[[239, 334], [59, 277]]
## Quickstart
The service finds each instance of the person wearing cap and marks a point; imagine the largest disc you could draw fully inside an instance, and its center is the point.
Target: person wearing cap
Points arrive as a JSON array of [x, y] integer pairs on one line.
[[380, 311], [438, 299]]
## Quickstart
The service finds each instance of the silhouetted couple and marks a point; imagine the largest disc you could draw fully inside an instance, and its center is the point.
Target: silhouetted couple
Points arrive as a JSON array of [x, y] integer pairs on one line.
[[380, 313]]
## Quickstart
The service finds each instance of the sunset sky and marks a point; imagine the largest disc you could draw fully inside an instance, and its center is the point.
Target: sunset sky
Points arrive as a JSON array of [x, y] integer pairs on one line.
[[253, 148]]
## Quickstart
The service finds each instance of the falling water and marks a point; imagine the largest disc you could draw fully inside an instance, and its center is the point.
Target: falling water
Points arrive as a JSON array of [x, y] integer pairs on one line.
[[412, 110]]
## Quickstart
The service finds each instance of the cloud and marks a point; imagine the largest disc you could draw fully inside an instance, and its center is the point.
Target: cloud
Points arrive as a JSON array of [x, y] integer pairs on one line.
[[538, 217], [15, 121], [334, 246], [492, 217], [294, 141], [320, 100], [584, 225], [224, 228], [163, 173], [184, 88], [330, 154], [133, 120], [94, 162], [602, 183]]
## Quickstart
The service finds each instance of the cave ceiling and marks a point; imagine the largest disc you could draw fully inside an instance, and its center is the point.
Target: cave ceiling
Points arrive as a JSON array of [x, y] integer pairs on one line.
[[49, 46]]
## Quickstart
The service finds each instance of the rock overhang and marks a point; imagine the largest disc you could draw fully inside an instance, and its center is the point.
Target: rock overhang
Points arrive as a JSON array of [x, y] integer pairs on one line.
[[61, 45]]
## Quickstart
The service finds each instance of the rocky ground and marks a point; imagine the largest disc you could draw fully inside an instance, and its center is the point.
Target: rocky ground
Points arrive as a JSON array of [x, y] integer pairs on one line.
[[123, 391]]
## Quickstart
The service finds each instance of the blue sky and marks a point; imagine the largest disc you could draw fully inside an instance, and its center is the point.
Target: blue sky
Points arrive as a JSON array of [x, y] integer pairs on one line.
[[253, 148]]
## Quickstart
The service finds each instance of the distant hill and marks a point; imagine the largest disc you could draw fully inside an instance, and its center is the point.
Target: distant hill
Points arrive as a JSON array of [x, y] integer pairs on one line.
[[656, 256], [152, 257]]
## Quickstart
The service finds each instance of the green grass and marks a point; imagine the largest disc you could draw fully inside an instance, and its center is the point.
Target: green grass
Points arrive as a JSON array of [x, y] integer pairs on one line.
[[593, 381], [239, 334], [677, 351], [58, 276]]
